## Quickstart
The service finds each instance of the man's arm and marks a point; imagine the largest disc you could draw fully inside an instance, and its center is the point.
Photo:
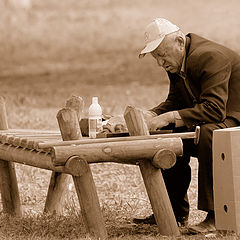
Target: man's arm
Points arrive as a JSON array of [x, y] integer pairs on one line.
[[165, 119]]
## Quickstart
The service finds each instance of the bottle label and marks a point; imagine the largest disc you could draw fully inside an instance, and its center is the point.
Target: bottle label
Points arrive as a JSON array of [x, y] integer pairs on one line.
[[92, 124], [99, 125], [95, 126]]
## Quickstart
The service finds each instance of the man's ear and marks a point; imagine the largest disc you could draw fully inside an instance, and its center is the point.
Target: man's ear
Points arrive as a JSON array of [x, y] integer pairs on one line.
[[180, 41]]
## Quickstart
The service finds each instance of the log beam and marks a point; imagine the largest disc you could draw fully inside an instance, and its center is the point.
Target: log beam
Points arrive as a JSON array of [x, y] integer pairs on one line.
[[153, 178], [121, 152]]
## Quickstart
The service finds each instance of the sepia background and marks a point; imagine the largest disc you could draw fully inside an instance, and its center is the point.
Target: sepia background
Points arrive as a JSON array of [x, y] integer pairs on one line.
[[50, 50]]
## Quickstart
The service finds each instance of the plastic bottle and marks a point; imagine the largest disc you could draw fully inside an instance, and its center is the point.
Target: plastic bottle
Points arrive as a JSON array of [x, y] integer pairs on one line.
[[94, 118]]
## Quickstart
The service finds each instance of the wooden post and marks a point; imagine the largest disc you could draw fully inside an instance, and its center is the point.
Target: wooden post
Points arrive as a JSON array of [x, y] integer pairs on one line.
[[70, 130], [68, 120], [8, 179], [153, 179], [76, 103], [3, 115]]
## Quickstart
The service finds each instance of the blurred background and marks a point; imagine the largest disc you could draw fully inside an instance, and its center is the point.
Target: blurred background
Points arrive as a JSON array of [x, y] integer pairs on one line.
[[52, 49]]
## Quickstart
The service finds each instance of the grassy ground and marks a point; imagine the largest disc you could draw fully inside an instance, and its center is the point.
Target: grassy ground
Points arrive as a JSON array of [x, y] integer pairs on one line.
[[90, 48]]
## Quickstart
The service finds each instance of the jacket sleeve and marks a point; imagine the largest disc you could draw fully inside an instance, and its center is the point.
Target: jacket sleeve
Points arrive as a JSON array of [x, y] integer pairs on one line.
[[212, 70]]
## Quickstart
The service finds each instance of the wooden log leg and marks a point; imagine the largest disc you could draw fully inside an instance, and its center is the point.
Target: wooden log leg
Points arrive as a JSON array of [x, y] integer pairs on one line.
[[153, 179], [159, 199], [56, 192], [8, 180], [68, 120], [88, 198], [9, 189]]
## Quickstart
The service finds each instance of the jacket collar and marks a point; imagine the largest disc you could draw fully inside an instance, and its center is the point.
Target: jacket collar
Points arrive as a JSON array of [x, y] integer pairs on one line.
[[183, 68]]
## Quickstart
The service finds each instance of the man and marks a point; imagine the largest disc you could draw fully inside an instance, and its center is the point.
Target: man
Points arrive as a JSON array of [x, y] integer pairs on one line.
[[204, 90]]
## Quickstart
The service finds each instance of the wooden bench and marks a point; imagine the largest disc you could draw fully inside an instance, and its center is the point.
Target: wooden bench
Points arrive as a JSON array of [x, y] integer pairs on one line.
[[67, 154]]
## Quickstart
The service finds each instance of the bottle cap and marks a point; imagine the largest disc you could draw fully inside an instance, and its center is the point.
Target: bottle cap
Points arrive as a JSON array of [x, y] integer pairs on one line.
[[95, 100]]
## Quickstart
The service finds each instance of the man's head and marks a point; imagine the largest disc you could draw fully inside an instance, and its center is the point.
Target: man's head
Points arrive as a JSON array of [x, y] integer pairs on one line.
[[166, 42]]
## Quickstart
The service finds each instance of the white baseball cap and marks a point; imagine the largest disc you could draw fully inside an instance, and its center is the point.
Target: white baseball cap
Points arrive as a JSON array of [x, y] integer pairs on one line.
[[155, 33]]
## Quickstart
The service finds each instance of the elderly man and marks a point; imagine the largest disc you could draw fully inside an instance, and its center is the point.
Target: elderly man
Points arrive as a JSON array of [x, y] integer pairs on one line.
[[204, 90]]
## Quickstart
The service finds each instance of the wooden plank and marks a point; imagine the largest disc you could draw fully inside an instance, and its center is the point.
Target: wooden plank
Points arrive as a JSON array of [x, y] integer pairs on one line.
[[32, 142], [153, 179], [28, 131], [8, 179], [185, 135], [8, 138], [226, 178], [31, 158], [126, 134]]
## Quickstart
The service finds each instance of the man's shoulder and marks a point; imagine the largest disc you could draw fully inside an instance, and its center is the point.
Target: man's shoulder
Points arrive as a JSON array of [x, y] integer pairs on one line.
[[200, 46], [203, 52]]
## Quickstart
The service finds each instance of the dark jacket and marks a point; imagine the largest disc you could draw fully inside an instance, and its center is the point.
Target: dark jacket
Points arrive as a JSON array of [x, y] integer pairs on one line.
[[210, 91]]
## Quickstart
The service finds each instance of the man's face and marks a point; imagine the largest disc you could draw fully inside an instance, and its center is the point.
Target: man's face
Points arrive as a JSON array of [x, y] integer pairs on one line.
[[170, 53]]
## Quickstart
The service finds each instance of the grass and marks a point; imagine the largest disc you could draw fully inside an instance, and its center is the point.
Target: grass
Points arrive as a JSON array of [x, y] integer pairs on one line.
[[90, 48]]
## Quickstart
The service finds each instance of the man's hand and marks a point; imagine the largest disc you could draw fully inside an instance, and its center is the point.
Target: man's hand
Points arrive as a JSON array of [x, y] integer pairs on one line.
[[115, 125], [148, 115], [161, 121], [164, 119]]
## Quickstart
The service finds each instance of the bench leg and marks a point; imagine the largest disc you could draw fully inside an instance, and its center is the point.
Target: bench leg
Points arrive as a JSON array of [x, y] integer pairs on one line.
[[159, 199], [8, 179], [9, 189], [88, 199], [56, 192]]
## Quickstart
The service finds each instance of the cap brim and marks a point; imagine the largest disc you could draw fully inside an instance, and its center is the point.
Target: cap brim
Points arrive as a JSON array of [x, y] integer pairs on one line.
[[150, 47]]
